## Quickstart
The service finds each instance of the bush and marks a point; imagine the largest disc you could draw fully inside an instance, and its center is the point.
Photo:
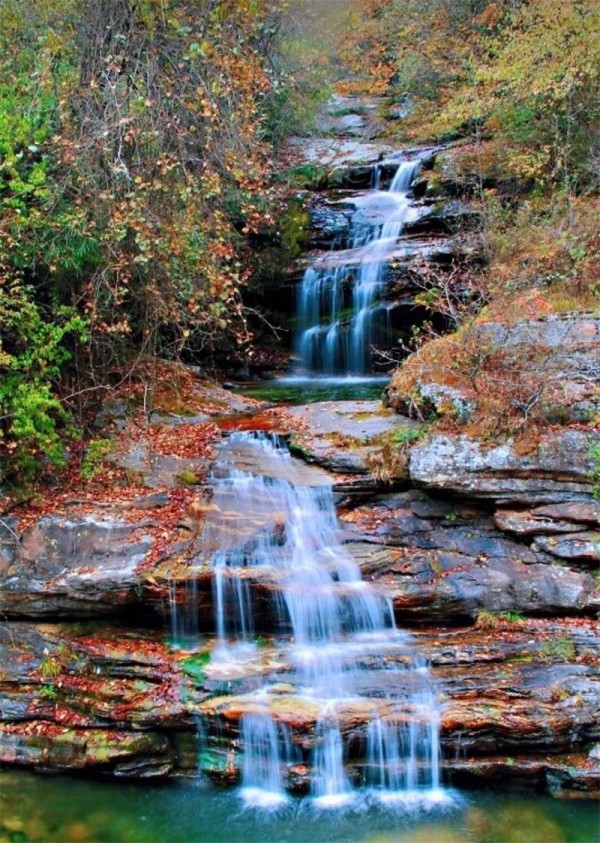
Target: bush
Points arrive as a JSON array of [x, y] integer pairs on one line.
[[34, 348]]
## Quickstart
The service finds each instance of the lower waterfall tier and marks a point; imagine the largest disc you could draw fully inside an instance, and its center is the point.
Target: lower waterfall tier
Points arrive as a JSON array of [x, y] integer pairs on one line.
[[341, 686]]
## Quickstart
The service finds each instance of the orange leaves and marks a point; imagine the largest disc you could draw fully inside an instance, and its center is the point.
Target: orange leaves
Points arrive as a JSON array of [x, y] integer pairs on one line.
[[186, 440]]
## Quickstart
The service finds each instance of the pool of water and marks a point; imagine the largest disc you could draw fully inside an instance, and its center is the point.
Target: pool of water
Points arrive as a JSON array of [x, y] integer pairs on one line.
[[65, 810], [303, 390]]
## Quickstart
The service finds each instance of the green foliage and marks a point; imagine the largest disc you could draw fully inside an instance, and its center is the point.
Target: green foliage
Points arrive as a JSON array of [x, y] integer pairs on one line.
[[95, 456], [187, 478], [486, 620], [594, 455], [50, 667], [513, 617], [491, 620], [527, 73], [305, 176], [34, 348], [133, 172], [407, 435], [559, 649], [48, 692]]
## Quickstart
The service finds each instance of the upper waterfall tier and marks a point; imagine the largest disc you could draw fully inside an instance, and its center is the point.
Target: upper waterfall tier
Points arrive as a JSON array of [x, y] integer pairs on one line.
[[341, 314]]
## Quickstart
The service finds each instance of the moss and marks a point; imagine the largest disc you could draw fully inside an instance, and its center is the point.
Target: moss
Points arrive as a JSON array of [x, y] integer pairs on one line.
[[307, 176], [194, 667], [187, 478], [560, 649], [486, 620]]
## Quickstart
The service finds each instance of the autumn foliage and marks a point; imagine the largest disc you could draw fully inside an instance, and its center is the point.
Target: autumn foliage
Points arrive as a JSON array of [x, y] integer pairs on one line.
[[135, 164]]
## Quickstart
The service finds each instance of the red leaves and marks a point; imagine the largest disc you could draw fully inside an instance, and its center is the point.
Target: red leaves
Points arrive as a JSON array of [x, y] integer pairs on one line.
[[187, 440]]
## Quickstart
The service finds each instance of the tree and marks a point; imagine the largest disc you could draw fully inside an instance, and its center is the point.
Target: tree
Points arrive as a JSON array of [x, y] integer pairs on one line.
[[134, 167]]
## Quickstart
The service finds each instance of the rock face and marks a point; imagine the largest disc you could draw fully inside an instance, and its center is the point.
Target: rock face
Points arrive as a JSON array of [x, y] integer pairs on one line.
[[444, 562], [75, 567], [557, 470], [519, 700]]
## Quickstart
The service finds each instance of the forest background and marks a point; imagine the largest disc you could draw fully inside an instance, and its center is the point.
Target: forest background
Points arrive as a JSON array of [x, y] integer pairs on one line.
[[139, 144]]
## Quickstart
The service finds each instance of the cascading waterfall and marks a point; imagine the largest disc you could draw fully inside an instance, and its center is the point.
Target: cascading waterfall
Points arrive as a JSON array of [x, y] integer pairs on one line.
[[330, 785], [265, 744], [341, 655], [337, 328]]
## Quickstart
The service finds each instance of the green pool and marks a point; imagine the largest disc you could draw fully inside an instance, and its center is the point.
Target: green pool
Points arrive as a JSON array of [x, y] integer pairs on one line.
[[298, 390], [65, 810]]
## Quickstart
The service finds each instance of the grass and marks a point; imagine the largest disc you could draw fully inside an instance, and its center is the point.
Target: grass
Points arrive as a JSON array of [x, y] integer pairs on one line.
[[491, 620], [560, 649]]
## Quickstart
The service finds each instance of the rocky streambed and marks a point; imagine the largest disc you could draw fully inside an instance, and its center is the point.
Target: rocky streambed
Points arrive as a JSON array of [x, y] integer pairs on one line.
[[92, 681]]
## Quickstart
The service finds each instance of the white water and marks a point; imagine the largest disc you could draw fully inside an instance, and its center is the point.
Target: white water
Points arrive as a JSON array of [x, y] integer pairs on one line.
[[340, 652], [338, 328]]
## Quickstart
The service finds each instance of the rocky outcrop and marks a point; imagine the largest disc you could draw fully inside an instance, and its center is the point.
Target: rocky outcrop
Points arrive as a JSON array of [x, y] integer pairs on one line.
[[547, 367], [549, 520], [75, 567], [340, 435], [557, 470], [445, 562], [519, 699]]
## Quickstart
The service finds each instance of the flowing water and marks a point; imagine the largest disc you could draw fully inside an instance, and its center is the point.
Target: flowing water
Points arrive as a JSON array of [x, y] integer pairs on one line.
[[340, 308], [370, 708]]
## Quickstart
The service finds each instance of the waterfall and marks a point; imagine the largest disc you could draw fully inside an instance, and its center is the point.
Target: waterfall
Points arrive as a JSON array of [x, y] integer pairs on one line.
[[266, 748], [330, 785], [404, 755], [269, 531], [340, 312]]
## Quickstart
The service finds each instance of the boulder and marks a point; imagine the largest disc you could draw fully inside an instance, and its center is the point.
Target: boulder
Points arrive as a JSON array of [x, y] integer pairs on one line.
[[548, 520], [557, 471], [76, 566]]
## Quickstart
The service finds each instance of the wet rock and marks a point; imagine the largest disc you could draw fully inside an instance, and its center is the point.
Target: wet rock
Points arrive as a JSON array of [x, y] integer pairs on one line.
[[75, 567], [565, 775], [329, 226], [520, 690], [58, 749], [340, 435]]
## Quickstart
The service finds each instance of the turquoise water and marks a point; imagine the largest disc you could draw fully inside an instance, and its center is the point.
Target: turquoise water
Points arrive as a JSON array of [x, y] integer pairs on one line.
[[294, 390], [64, 810]]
